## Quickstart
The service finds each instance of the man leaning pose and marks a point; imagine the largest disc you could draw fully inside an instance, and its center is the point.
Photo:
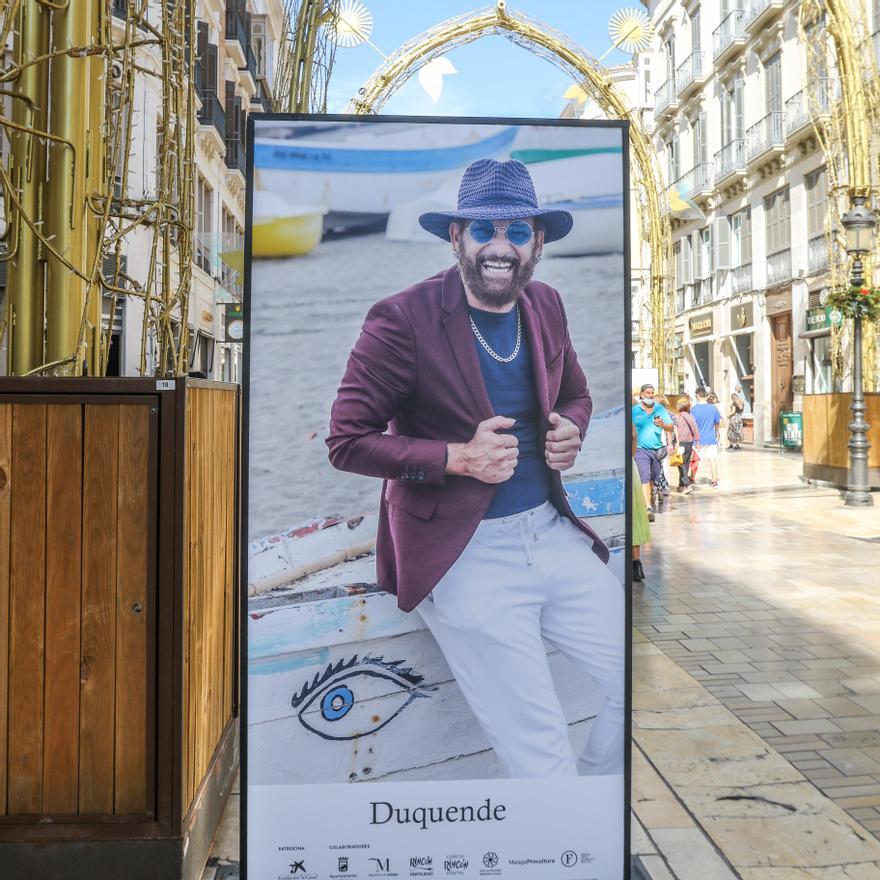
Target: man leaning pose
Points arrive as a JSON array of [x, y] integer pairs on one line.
[[465, 395]]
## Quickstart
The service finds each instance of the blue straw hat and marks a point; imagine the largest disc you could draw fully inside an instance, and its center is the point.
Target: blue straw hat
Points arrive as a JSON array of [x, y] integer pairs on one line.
[[492, 190]]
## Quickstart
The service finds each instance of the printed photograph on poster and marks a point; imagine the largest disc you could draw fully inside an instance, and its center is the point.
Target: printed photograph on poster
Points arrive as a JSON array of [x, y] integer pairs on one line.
[[438, 455]]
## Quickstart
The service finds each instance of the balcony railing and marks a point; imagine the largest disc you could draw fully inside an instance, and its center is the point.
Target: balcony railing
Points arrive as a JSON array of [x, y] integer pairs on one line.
[[766, 134], [760, 10], [731, 30], [665, 97], [261, 97], [250, 63], [697, 180], [779, 267], [119, 9], [235, 155], [730, 158], [742, 278], [801, 108], [702, 291], [212, 112], [817, 254], [236, 28], [688, 71]]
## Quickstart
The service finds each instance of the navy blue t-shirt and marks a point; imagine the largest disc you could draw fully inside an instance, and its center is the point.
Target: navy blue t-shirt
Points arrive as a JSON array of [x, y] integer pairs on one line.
[[511, 389]]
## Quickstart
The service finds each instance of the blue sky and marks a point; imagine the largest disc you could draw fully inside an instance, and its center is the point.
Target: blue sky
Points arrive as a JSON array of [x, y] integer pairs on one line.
[[495, 77]]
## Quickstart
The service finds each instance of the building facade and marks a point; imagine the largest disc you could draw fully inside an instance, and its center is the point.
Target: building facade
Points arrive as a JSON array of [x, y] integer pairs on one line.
[[733, 130], [236, 44]]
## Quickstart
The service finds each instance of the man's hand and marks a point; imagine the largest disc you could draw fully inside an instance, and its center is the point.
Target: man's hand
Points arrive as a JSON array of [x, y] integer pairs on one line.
[[562, 444], [489, 457]]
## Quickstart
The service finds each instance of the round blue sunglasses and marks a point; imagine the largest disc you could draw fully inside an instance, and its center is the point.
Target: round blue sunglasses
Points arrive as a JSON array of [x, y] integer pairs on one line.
[[518, 232]]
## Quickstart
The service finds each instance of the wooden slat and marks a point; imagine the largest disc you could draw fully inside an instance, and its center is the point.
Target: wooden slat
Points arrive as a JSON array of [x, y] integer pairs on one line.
[[27, 585], [872, 417], [132, 790], [229, 665], [838, 418], [5, 505], [97, 689], [63, 620]]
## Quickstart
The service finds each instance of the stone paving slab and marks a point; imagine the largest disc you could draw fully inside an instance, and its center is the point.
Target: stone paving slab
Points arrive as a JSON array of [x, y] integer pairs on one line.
[[802, 670]]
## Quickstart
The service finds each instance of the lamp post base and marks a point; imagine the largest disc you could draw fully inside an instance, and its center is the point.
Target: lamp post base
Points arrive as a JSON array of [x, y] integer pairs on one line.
[[858, 498]]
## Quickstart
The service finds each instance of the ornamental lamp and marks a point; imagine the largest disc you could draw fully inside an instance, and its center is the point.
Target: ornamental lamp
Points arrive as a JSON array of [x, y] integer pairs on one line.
[[859, 224]]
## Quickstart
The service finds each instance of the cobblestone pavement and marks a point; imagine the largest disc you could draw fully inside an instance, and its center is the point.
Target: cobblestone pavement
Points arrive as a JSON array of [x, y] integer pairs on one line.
[[767, 592]]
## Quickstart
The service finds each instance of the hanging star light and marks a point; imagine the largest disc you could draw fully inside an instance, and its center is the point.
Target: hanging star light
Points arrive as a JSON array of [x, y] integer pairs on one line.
[[354, 24], [630, 30]]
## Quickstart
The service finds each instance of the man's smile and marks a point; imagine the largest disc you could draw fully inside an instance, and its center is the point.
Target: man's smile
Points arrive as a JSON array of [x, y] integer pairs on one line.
[[497, 267]]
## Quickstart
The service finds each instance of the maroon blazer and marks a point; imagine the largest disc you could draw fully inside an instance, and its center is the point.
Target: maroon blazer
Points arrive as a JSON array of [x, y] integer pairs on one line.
[[412, 385]]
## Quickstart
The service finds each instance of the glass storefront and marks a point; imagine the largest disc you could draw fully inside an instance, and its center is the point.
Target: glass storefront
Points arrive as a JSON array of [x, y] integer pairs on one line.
[[819, 372]]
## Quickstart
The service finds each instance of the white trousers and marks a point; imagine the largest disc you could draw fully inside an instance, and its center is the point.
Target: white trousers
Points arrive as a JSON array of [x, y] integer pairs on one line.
[[521, 578]]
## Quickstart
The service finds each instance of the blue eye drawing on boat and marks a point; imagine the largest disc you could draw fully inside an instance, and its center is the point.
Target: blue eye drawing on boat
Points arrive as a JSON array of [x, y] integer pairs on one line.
[[356, 697]]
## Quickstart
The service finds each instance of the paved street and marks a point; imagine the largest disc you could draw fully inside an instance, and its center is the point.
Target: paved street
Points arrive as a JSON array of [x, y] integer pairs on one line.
[[764, 594], [756, 691]]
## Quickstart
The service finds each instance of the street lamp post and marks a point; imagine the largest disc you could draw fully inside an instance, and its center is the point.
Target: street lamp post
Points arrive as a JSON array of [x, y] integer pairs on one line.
[[859, 224]]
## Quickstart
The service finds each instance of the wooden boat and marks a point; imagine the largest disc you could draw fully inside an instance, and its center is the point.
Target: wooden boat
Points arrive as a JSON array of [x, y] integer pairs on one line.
[[344, 687], [358, 175]]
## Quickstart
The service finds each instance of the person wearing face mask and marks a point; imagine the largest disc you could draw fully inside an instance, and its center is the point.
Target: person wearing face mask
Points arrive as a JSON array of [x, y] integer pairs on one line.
[[465, 395], [651, 421]]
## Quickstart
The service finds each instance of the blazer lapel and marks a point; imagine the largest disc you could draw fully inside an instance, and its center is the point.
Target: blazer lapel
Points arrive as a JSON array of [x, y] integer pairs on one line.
[[536, 347], [461, 339]]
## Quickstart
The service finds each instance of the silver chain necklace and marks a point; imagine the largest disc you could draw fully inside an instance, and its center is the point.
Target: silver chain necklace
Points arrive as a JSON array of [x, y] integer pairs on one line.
[[491, 352]]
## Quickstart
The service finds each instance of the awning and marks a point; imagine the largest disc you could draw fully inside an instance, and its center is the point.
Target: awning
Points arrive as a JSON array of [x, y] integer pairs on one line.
[[742, 331], [813, 334]]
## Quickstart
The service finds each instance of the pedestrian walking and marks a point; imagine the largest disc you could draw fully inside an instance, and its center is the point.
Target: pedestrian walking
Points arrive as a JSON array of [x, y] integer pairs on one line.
[[688, 434], [651, 421], [663, 488], [641, 527], [735, 420], [708, 421]]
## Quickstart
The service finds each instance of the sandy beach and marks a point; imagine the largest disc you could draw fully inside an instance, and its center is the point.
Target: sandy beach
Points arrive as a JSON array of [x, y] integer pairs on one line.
[[306, 314]]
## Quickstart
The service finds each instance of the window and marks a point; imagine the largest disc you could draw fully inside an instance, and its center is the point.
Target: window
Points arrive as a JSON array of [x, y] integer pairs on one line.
[[817, 200], [773, 83], [741, 238], [700, 142], [695, 31], [204, 224], [672, 164], [777, 216], [262, 46], [669, 46], [704, 242]]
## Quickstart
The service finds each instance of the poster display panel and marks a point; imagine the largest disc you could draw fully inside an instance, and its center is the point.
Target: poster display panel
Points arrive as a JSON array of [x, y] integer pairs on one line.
[[437, 476]]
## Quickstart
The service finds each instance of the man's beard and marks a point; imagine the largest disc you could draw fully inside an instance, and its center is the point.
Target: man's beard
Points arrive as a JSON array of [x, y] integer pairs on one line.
[[496, 295]]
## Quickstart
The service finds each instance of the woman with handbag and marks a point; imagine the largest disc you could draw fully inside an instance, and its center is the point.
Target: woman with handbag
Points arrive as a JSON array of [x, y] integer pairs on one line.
[[688, 434], [735, 419]]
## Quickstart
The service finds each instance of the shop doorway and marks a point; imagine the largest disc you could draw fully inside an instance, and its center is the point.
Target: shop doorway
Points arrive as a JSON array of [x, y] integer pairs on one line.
[[782, 366], [702, 363]]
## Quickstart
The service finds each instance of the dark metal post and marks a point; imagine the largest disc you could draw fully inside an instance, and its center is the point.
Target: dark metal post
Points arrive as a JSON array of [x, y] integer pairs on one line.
[[858, 490]]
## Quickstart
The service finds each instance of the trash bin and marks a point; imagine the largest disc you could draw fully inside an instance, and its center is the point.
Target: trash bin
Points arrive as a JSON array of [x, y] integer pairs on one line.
[[791, 430]]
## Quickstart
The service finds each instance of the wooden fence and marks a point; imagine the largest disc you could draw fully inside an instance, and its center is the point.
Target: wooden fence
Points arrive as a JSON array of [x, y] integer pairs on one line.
[[826, 433], [118, 633]]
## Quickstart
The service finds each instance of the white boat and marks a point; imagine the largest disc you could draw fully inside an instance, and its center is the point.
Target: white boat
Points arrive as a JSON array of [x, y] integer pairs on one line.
[[587, 182], [354, 172], [344, 687]]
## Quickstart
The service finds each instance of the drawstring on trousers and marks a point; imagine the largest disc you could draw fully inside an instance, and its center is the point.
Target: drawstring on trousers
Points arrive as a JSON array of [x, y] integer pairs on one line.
[[524, 534]]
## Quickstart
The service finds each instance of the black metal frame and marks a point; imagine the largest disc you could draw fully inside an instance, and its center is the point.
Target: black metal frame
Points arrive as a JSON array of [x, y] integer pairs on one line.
[[267, 118]]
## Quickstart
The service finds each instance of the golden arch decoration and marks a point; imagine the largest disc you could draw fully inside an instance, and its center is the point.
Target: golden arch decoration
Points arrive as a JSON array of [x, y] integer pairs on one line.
[[548, 43]]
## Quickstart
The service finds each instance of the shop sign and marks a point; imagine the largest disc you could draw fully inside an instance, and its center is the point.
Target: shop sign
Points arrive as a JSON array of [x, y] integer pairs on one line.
[[741, 316], [819, 318], [701, 325]]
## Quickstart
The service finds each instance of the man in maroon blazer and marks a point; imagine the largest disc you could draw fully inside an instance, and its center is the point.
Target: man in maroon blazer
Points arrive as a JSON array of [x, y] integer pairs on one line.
[[465, 396]]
